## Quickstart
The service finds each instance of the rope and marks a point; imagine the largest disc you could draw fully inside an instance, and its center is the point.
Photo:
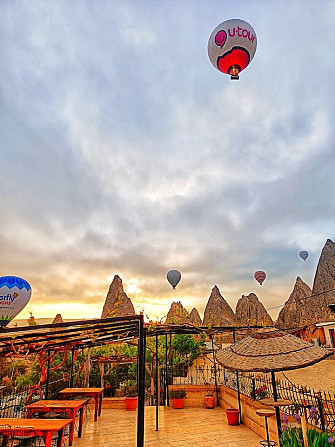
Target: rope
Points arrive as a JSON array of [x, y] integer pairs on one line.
[[302, 299]]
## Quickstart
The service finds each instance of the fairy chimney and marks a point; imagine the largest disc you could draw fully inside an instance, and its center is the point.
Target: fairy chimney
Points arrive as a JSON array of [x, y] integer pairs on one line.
[[117, 303], [324, 280], [58, 319], [177, 314], [293, 314], [218, 312], [195, 317], [250, 311]]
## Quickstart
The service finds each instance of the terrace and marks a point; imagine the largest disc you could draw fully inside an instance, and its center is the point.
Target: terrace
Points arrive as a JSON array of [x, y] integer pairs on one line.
[[196, 427], [150, 425]]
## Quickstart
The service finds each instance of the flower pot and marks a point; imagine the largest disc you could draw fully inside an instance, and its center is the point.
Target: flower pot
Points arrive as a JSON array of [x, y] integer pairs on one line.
[[233, 416], [131, 403], [178, 403], [209, 401]]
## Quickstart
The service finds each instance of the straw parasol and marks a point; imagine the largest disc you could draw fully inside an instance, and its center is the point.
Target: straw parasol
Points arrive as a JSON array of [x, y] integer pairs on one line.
[[270, 350]]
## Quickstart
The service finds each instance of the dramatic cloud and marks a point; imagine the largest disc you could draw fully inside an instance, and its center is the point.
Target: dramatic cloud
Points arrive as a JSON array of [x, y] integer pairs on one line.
[[125, 152]]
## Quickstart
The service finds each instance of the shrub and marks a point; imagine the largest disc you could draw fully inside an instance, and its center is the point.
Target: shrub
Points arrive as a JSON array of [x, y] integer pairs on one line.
[[292, 437], [177, 394]]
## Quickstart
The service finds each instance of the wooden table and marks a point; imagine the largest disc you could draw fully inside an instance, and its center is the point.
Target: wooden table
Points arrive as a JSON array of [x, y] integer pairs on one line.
[[70, 407], [96, 393], [276, 403], [43, 427]]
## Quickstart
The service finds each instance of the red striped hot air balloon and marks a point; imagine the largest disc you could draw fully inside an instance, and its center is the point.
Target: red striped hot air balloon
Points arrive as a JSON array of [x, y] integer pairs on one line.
[[260, 276]]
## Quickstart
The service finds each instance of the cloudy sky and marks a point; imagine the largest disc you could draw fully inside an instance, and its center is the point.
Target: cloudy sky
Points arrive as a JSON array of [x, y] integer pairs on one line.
[[124, 151]]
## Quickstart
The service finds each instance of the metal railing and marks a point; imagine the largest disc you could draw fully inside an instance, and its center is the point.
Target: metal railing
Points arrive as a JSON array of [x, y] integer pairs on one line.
[[12, 404], [319, 405]]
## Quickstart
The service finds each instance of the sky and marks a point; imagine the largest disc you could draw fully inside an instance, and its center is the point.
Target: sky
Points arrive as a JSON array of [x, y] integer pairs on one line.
[[124, 151]]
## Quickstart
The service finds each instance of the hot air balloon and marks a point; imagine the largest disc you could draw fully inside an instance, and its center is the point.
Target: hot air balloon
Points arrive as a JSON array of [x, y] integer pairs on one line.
[[260, 276], [232, 46], [173, 276], [303, 254], [15, 293]]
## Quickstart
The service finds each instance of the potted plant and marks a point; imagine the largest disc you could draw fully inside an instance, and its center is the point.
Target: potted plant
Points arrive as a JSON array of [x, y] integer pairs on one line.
[[233, 416], [178, 398], [131, 395], [209, 396]]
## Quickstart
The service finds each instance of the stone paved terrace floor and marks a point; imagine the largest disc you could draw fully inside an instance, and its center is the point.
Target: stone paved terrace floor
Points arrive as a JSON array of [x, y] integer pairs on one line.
[[196, 427]]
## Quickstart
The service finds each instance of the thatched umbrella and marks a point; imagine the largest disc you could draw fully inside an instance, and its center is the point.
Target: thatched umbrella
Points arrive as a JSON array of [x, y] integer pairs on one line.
[[270, 350]]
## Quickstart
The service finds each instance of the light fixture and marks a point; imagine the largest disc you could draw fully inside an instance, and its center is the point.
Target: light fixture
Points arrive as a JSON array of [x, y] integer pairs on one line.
[[234, 70]]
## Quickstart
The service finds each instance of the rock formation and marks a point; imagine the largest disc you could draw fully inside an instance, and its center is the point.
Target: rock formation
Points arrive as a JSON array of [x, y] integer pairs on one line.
[[324, 280], [177, 314], [58, 319], [117, 303], [218, 312], [293, 313], [195, 317], [250, 311]]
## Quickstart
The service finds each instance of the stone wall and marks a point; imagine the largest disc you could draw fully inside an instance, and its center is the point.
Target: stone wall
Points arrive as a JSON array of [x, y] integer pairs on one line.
[[228, 399], [195, 394]]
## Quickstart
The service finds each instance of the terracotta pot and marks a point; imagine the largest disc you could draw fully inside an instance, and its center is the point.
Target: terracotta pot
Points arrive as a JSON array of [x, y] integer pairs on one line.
[[233, 416], [178, 403], [210, 401], [131, 403]]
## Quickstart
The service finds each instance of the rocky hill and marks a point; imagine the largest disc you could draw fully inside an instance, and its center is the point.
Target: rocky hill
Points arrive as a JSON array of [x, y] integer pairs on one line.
[[177, 314], [324, 280], [218, 312], [293, 313], [250, 311], [117, 303], [58, 319], [299, 311], [195, 317]]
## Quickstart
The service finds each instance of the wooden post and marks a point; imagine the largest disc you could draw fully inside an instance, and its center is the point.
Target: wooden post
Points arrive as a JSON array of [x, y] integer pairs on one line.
[[88, 367], [304, 428], [102, 374], [72, 367], [48, 376]]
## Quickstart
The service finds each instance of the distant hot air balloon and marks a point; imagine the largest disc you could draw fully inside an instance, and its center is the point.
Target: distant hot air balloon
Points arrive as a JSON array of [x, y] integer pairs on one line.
[[15, 293], [173, 276], [260, 276], [303, 254], [232, 46]]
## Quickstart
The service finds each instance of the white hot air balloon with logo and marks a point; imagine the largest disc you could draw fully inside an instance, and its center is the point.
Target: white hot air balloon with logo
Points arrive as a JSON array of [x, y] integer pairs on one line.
[[15, 293], [231, 46]]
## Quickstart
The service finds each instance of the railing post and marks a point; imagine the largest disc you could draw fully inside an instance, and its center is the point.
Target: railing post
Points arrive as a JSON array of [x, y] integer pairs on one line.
[[321, 411], [275, 398], [253, 388]]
